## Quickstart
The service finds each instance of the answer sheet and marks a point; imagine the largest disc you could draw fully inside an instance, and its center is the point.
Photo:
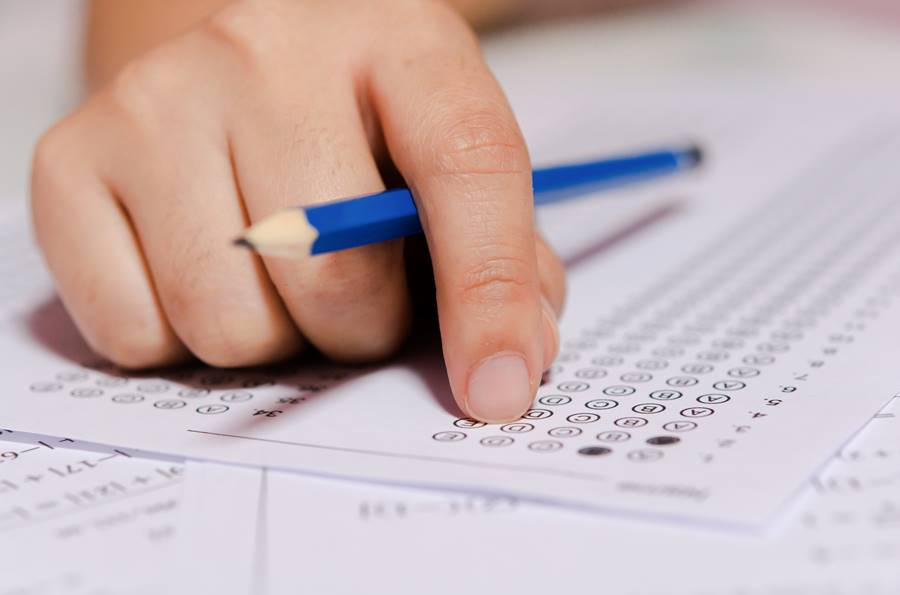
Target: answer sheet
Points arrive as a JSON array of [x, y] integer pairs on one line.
[[726, 333], [841, 537], [77, 520]]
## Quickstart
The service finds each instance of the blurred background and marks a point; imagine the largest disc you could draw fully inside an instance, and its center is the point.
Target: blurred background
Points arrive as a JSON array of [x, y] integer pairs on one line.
[[845, 44]]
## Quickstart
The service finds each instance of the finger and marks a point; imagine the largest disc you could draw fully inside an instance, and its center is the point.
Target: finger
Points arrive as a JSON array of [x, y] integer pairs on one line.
[[551, 272], [94, 257], [353, 305], [453, 136], [181, 195]]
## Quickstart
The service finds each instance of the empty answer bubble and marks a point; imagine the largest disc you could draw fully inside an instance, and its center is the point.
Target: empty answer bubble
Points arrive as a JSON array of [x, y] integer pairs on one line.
[[648, 408], [545, 446], [573, 387], [665, 395], [682, 381], [601, 404], [697, 368], [618, 391], [630, 422], [555, 400], [564, 432], [713, 399], [636, 377], [697, 412], [192, 393], [75, 376], [86, 392], [169, 404], [583, 418], [516, 428], [652, 364], [728, 385], [468, 422], [645, 455], [45, 387], [494, 441], [153, 387], [608, 360], [449, 436], [613, 436], [236, 397], [537, 414], [743, 372], [127, 398], [590, 373]]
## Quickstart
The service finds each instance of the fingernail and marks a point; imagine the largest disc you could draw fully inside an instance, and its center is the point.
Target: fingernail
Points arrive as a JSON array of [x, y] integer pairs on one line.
[[551, 333], [499, 388]]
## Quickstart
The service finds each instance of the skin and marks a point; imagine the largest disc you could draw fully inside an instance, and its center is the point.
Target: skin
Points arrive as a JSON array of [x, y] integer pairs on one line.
[[137, 195], [120, 30]]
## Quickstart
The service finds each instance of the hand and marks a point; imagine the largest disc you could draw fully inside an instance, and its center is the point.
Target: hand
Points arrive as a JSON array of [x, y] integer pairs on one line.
[[138, 194]]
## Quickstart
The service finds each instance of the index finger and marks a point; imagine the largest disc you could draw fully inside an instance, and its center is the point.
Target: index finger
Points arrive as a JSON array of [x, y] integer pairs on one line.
[[452, 135]]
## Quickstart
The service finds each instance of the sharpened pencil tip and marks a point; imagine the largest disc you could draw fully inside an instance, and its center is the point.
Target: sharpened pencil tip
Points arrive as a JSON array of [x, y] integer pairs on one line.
[[286, 233], [243, 242], [694, 155]]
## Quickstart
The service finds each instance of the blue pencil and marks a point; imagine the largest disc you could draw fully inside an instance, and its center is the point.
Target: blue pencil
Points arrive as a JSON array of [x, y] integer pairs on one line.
[[348, 223]]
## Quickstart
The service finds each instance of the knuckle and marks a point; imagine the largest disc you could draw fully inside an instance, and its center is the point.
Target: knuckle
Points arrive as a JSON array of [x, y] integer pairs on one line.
[[57, 174], [429, 23], [480, 141], [361, 292], [496, 281], [141, 89], [216, 349], [136, 344], [375, 345], [234, 344], [347, 280], [246, 29], [224, 336], [51, 153], [340, 291], [50, 148]]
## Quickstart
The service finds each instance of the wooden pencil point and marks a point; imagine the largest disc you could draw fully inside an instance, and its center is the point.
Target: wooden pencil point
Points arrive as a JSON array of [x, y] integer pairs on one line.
[[286, 233]]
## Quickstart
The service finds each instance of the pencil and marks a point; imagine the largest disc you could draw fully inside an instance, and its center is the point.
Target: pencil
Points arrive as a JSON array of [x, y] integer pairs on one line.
[[348, 223]]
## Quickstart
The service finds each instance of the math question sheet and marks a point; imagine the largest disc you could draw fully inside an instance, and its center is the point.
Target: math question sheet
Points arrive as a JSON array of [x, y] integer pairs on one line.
[[77, 520], [726, 333]]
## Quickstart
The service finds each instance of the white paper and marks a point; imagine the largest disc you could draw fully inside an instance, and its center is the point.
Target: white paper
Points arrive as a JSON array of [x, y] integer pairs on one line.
[[768, 281], [843, 536], [219, 522], [76, 521]]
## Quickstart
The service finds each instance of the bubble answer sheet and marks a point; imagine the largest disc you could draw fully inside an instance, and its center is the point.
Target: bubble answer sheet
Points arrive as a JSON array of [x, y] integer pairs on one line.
[[725, 334], [841, 537]]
